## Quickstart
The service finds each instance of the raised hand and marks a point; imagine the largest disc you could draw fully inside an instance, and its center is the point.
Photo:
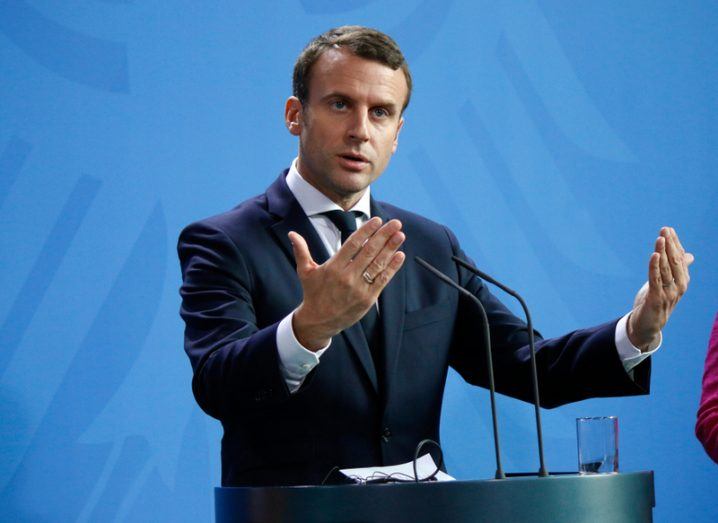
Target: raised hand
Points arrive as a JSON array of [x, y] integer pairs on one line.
[[339, 292], [668, 279]]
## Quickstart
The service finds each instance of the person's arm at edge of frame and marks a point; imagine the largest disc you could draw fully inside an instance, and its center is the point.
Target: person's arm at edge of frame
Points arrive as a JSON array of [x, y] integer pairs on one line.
[[707, 416]]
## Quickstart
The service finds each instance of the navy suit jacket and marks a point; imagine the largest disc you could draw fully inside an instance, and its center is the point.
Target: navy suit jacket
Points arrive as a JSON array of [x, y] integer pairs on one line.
[[240, 281]]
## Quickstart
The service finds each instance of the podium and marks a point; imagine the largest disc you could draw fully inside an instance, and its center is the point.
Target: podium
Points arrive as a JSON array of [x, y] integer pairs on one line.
[[613, 498]]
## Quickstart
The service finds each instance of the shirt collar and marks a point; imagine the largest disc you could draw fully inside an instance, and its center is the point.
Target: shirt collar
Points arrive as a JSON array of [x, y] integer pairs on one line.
[[313, 202]]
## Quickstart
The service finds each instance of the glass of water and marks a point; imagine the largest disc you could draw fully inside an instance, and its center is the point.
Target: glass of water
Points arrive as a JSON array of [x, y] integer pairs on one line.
[[597, 445]]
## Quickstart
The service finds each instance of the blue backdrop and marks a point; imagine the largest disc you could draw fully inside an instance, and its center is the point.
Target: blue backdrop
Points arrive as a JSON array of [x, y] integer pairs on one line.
[[555, 138]]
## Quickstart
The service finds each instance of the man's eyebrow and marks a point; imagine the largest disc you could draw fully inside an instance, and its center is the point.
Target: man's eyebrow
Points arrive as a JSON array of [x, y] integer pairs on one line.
[[389, 104], [336, 94]]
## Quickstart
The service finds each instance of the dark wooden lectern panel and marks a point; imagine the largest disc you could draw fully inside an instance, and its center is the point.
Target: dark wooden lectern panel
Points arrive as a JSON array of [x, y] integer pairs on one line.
[[614, 498]]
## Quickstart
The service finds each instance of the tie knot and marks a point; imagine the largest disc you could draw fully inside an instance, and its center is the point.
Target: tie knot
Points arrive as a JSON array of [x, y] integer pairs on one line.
[[345, 221]]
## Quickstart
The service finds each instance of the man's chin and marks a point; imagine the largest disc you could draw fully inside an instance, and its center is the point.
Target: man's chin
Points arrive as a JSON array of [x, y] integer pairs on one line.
[[352, 183]]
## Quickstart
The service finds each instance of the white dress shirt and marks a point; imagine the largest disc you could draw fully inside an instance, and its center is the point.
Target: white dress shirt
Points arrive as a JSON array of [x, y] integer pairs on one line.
[[297, 361]]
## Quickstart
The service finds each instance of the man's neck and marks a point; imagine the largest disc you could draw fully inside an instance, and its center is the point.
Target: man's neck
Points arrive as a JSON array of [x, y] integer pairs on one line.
[[345, 202]]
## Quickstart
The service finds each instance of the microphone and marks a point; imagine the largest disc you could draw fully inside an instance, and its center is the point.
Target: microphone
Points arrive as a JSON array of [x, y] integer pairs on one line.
[[534, 376], [489, 363]]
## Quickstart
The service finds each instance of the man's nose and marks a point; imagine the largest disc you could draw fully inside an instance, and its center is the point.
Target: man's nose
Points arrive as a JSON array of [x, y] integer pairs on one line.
[[359, 127]]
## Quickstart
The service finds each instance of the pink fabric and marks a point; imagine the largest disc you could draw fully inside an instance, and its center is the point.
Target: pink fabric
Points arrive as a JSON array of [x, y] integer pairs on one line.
[[707, 422]]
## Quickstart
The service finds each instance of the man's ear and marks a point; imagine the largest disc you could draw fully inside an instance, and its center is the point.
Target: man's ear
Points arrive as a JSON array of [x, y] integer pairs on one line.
[[396, 136], [293, 115]]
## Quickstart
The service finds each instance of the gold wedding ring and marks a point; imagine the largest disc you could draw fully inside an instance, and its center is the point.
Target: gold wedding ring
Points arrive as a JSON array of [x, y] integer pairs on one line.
[[367, 278]]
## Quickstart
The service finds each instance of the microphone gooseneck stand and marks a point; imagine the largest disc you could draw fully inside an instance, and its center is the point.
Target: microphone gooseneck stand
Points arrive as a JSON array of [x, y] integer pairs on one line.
[[487, 344], [534, 375]]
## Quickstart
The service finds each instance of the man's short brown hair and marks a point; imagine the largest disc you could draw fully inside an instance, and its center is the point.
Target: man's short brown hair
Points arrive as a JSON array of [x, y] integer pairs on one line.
[[363, 42]]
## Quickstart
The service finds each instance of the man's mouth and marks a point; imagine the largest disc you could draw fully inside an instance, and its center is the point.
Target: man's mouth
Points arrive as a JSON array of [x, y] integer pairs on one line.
[[353, 161]]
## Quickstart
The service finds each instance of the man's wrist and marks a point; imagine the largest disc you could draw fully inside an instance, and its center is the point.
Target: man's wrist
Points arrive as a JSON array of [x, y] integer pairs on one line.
[[307, 336], [644, 343]]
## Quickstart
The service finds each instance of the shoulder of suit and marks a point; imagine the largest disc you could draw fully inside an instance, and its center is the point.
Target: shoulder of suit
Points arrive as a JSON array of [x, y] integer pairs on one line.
[[415, 221], [247, 217]]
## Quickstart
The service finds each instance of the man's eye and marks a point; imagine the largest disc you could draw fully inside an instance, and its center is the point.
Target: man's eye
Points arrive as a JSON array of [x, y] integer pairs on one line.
[[338, 104], [380, 112]]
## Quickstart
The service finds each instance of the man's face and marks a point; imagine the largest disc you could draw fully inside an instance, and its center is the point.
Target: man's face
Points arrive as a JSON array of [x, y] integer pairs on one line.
[[349, 126]]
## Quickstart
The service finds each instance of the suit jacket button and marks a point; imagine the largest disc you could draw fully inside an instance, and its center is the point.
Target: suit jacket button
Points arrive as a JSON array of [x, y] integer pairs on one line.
[[386, 435]]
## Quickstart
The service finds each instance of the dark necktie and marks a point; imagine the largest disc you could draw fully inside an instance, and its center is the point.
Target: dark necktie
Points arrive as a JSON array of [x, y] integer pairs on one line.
[[347, 224]]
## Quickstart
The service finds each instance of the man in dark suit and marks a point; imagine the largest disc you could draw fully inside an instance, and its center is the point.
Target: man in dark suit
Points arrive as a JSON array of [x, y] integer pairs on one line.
[[316, 340]]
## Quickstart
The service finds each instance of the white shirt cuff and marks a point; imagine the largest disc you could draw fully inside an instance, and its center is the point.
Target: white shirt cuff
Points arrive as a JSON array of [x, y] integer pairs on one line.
[[630, 355], [295, 360]]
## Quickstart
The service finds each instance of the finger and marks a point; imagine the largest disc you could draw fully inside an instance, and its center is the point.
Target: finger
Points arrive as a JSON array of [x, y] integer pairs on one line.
[[385, 276], [373, 246], [381, 261], [675, 259], [301, 253], [678, 268], [684, 257], [665, 233], [654, 274], [688, 258], [665, 269], [354, 243], [677, 241]]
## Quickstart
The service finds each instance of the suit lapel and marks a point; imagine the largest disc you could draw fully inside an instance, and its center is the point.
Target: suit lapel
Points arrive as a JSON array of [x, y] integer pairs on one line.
[[356, 339], [291, 217], [392, 304]]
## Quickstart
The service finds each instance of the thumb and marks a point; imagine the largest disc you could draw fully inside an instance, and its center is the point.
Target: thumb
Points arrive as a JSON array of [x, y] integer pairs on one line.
[[301, 253]]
